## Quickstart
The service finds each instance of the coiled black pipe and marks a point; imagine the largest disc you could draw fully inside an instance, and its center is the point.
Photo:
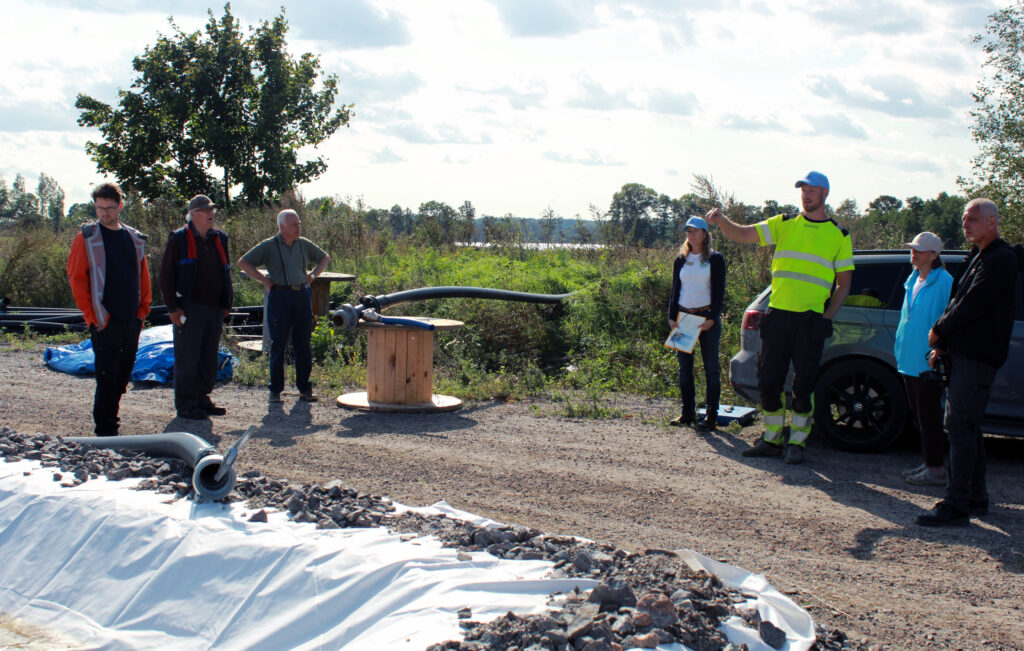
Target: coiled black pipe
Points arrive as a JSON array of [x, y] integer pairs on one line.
[[347, 316], [202, 457]]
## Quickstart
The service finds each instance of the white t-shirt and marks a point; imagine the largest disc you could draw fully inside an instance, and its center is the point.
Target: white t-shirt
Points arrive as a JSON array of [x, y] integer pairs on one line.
[[916, 290], [694, 283]]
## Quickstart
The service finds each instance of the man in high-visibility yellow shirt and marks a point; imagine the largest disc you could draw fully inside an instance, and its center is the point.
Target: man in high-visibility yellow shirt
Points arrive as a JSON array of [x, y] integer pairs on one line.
[[813, 254]]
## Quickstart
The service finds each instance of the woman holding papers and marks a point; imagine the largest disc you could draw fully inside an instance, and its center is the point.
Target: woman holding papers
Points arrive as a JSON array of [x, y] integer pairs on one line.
[[698, 287]]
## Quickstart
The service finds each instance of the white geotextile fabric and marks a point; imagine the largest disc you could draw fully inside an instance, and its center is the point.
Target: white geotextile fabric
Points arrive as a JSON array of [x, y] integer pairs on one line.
[[115, 568]]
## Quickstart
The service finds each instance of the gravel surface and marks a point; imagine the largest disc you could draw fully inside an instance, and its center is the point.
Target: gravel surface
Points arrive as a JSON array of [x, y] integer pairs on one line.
[[836, 533]]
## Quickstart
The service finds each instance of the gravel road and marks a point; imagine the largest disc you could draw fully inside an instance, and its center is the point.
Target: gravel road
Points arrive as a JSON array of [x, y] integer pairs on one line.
[[836, 533]]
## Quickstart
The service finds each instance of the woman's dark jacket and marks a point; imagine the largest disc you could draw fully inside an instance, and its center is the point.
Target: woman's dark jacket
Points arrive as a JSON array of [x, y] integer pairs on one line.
[[717, 262]]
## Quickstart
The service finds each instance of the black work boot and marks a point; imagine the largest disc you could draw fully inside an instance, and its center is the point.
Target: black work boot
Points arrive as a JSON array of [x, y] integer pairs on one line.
[[685, 417], [710, 419]]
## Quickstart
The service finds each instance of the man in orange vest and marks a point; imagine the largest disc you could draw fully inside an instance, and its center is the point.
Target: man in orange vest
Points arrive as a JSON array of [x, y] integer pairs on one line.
[[110, 282]]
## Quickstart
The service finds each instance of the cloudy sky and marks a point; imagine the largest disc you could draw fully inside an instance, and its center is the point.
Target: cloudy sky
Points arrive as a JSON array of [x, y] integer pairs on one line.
[[523, 105]]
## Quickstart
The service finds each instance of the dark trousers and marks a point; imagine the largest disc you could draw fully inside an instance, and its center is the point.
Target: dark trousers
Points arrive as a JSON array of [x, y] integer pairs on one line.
[[114, 347], [708, 342], [290, 310], [195, 355], [969, 384], [795, 338], [925, 400]]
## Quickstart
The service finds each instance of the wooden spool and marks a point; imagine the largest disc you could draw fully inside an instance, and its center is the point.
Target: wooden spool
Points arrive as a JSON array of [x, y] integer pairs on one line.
[[400, 369]]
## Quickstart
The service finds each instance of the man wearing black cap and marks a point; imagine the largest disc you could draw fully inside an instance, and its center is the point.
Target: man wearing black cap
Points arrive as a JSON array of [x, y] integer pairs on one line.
[[813, 254], [195, 279]]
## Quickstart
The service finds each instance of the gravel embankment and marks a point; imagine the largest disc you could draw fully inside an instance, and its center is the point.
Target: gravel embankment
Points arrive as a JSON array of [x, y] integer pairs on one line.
[[836, 533]]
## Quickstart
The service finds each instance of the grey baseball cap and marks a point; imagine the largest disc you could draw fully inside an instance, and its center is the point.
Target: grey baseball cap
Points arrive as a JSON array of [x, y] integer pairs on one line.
[[199, 202]]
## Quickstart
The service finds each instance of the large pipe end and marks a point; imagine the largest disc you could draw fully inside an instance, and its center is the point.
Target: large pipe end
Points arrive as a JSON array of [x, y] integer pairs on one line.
[[204, 479], [346, 317]]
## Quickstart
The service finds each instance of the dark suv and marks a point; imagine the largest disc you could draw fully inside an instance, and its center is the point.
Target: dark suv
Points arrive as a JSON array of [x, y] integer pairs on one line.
[[859, 400]]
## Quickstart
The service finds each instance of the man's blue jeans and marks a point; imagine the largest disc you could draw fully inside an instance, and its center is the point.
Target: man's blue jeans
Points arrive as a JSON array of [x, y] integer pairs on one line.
[[290, 310]]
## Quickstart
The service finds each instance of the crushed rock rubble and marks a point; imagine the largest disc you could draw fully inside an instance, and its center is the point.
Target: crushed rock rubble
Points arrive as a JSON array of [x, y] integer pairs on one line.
[[675, 604]]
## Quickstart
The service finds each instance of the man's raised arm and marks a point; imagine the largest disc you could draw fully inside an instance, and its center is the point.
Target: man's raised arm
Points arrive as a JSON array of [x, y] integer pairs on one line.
[[746, 234]]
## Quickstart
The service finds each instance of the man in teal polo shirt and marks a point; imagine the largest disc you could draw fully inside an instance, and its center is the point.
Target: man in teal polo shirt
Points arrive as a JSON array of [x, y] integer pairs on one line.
[[812, 254], [287, 256]]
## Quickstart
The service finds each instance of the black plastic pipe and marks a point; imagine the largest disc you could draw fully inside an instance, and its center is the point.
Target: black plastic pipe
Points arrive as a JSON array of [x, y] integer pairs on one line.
[[202, 457], [347, 316]]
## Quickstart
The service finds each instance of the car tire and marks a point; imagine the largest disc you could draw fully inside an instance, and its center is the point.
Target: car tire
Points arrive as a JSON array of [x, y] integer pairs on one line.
[[860, 405]]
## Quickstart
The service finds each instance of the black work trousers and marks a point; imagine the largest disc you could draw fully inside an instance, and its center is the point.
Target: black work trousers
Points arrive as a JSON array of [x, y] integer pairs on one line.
[[795, 338], [925, 398], [195, 356], [970, 383], [114, 348]]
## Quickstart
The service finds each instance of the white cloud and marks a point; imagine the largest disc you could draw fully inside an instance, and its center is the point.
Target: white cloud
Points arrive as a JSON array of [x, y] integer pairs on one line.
[[859, 17], [672, 103], [442, 133], [836, 124], [385, 155], [593, 96], [895, 95], [544, 17], [349, 24], [741, 123], [562, 101], [591, 158]]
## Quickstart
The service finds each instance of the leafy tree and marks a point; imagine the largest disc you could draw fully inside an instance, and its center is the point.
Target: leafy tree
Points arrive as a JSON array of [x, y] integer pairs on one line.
[[435, 223], [549, 222], [81, 212], [630, 213], [400, 220], [216, 102], [885, 204], [17, 204], [847, 210], [999, 117], [467, 222], [51, 201]]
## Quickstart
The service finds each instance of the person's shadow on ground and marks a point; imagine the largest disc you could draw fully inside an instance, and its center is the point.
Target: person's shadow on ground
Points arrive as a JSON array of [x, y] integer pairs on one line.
[[281, 425], [857, 480], [201, 428]]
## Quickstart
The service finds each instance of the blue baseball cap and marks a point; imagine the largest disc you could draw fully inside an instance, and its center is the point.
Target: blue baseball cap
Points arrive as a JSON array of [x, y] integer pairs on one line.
[[696, 222], [817, 179]]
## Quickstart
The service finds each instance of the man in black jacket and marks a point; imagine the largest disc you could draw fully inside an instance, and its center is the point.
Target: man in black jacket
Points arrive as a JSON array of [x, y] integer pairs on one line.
[[195, 280], [975, 330]]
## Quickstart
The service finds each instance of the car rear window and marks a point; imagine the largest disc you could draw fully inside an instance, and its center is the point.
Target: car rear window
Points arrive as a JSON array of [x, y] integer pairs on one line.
[[878, 285]]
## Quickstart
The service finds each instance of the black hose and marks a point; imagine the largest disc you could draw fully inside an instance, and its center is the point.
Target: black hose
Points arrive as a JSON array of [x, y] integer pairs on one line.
[[202, 457], [347, 316]]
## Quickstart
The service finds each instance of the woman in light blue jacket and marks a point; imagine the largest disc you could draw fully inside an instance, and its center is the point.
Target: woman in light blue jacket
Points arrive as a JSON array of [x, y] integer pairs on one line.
[[927, 292]]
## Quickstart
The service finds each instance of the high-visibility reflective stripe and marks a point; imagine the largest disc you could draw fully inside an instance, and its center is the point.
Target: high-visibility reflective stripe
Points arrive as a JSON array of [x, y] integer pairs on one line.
[[801, 420], [807, 278], [844, 263], [766, 234], [777, 439], [775, 420], [805, 257], [799, 437]]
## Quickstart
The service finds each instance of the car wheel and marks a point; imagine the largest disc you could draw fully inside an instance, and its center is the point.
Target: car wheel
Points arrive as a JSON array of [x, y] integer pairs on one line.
[[860, 405]]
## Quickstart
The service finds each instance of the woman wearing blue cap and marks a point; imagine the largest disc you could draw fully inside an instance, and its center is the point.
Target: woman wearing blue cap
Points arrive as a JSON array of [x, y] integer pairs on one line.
[[698, 287]]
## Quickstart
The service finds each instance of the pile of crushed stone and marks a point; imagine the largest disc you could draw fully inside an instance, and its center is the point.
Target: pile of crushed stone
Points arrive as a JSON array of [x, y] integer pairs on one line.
[[675, 603]]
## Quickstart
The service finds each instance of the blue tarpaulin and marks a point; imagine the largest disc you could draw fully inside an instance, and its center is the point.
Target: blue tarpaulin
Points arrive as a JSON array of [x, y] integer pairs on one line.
[[153, 363]]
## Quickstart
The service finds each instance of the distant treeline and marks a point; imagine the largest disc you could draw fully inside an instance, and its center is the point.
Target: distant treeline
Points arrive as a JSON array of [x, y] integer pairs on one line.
[[637, 216]]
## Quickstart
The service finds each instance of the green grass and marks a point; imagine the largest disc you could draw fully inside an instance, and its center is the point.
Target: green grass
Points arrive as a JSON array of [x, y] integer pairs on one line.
[[606, 338]]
